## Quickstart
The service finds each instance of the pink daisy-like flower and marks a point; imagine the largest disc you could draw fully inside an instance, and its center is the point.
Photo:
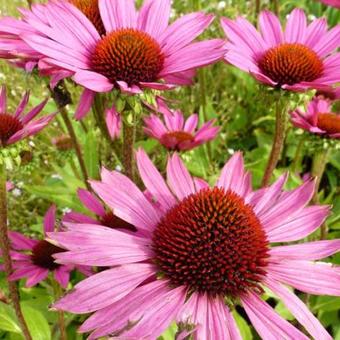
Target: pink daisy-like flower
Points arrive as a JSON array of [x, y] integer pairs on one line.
[[113, 122], [89, 44], [202, 246], [104, 216], [318, 119], [33, 259], [178, 134], [15, 127], [334, 3], [299, 58]]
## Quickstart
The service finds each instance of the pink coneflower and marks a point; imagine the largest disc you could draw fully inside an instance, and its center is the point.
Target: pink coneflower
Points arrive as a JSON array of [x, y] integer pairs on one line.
[[32, 259], [123, 48], [202, 246], [318, 119], [15, 127], [113, 122], [334, 3], [178, 134], [297, 59], [103, 215]]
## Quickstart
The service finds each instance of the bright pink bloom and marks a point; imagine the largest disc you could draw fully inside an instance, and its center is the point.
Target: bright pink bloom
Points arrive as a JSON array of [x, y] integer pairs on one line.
[[15, 127], [318, 119], [299, 58], [89, 45], [113, 122], [9, 186], [199, 246], [178, 134], [32, 259], [334, 3]]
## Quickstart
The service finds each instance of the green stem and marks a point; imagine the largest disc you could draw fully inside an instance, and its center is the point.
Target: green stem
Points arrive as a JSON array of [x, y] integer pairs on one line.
[[318, 168], [62, 97], [257, 8], [276, 7], [298, 155], [279, 138], [5, 247], [129, 134], [61, 317]]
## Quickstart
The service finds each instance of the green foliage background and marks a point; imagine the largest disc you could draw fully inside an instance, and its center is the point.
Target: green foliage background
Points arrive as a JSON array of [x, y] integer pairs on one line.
[[241, 107]]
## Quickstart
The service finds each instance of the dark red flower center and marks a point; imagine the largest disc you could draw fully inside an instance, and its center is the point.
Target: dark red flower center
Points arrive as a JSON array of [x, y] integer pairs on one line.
[[291, 64], [329, 122], [112, 221], [42, 255], [128, 55], [9, 125], [212, 242], [90, 9], [175, 138]]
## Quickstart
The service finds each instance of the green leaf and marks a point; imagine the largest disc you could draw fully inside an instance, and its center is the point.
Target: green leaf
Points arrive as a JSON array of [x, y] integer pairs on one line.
[[243, 327], [170, 333], [8, 322], [36, 323], [91, 155]]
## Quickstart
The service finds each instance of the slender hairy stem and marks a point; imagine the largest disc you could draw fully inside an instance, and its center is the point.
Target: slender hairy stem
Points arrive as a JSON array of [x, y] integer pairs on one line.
[[298, 155], [129, 135], [62, 98], [280, 133], [257, 8], [5, 247], [61, 316], [30, 3], [318, 168]]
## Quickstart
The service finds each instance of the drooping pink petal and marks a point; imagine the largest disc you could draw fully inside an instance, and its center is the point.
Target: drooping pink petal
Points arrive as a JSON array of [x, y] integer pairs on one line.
[[3, 99], [154, 181], [113, 122], [85, 104], [93, 81], [22, 105], [105, 288], [318, 278], [40, 275], [21, 242], [299, 310], [306, 251], [179, 179], [126, 200], [267, 322], [62, 276], [91, 202]]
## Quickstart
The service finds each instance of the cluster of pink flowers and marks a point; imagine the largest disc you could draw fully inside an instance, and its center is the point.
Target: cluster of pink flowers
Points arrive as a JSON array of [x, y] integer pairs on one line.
[[179, 250]]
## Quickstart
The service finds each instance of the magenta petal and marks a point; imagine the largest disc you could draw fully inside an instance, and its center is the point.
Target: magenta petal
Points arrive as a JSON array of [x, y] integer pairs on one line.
[[40, 275], [271, 29], [3, 100], [154, 181], [117, 14], [22, 105], [105, 288], [49, 219], [85, 104], [315, 32], [34, 112], [62, 276], [179, 179], [299, 310], [329, 42], [91, 202], [234, 177], [267, 322], [21, 242], [93, 81], [113, 122], [296, 26], [306, 251], [318, 278]]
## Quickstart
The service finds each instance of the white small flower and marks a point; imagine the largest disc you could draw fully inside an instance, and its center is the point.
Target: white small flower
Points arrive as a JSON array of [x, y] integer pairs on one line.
[[221, 5], [16, 192]]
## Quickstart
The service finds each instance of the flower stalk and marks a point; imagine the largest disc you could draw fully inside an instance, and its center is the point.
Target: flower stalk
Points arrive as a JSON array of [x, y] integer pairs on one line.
[[61, 316], [5, 247], [62, 98], [278, 143], [320, 160], [129, 133]]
